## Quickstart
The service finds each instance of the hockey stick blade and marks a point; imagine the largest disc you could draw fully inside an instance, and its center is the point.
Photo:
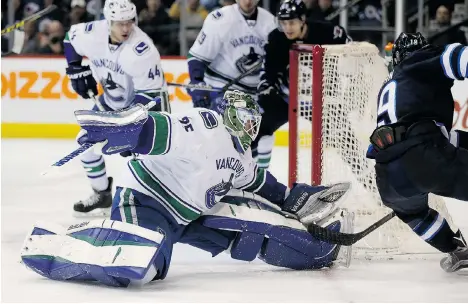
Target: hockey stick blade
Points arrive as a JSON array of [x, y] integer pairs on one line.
[[346, 239], [33, 17]]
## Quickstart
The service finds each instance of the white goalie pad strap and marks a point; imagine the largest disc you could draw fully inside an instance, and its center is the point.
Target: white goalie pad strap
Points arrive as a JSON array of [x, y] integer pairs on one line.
[[253, 209], [63, 245]]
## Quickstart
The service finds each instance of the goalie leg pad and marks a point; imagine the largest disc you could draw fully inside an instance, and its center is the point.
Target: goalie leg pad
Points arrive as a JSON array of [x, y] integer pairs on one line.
[[136, 208], [298, 250], [113, 253], [270, 236], [212, 240]]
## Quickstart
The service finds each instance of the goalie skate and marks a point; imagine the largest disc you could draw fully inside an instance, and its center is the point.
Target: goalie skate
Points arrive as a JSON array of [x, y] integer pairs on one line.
[[97, 205]]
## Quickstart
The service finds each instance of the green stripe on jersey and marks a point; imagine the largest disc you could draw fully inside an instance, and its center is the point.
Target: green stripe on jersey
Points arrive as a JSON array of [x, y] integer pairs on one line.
[[66, 39], [162, 134], [259, 181], [174, 205]]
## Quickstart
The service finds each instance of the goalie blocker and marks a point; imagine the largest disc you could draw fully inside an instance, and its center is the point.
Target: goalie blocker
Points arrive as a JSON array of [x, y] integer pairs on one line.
[[135, 246]]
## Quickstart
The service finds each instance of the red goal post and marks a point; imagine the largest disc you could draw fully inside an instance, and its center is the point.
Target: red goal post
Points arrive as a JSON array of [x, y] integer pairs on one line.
[[316, 52], [332, 106]]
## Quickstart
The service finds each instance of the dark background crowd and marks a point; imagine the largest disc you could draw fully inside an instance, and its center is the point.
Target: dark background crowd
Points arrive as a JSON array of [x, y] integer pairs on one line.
[[160, 19]]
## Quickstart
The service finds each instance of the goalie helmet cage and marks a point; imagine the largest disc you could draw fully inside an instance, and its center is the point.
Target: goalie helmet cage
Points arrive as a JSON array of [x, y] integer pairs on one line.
[[332, 105]]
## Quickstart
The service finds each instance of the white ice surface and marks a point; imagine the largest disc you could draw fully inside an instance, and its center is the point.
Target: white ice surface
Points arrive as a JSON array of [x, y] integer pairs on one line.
[[194, 276]]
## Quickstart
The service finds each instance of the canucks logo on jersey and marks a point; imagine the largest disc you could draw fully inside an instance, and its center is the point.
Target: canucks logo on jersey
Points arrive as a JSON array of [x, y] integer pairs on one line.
[[110, 85], [248, 61], [217, 191]]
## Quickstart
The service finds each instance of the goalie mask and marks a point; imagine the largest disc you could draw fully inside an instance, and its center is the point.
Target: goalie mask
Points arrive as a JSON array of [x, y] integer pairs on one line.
[[242, 118]]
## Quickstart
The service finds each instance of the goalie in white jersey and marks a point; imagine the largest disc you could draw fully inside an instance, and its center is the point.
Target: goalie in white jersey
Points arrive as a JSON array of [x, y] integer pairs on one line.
[[127, 65], [230, 44], [186, 186]]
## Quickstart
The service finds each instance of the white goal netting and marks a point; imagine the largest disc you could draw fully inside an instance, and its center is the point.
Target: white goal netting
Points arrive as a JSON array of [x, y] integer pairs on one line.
[[351, 78]]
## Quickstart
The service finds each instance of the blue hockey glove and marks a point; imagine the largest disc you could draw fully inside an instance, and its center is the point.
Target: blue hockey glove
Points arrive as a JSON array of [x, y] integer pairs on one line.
[[200, 98], [82, 80], [118, 129], [313, 203]]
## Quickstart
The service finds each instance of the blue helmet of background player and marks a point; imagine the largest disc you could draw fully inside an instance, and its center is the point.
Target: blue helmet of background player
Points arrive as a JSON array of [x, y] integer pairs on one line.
[[405, 44]]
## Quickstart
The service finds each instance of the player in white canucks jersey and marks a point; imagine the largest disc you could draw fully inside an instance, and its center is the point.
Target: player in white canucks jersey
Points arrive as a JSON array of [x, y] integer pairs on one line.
[[127, 65], [185, 186], [230, 43]]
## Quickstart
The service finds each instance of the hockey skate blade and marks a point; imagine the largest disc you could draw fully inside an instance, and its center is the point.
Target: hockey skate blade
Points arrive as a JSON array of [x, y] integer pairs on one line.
[[446, 265], [96, 213]]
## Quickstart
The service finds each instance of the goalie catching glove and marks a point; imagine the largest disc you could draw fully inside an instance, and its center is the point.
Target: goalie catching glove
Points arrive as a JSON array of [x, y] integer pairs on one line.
[[311, 204]]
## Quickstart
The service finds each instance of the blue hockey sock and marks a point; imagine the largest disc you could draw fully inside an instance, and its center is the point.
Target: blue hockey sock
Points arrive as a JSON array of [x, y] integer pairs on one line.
[[433, 228]]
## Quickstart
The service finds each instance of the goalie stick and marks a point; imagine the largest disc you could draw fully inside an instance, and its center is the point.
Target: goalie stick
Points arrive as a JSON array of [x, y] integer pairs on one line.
[[33, 17], [346, 239], [213, 89]]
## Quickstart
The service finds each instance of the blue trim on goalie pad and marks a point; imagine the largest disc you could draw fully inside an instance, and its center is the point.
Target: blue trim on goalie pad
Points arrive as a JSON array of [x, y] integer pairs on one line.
[[109, 237], [40, 231], [62, 270], [276, 245]]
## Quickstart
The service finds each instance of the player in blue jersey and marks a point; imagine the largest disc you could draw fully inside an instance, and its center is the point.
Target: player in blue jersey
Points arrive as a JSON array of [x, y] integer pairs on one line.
[[415, 148]]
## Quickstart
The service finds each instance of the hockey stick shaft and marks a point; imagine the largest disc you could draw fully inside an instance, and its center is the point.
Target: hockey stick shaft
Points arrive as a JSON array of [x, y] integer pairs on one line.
[[194, 87], [346, 239], [213, 89], [339, 10], [247, 73], [33, 17]]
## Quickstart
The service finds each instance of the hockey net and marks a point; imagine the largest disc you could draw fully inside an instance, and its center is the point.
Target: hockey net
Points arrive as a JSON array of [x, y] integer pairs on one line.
[[333, 101]]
